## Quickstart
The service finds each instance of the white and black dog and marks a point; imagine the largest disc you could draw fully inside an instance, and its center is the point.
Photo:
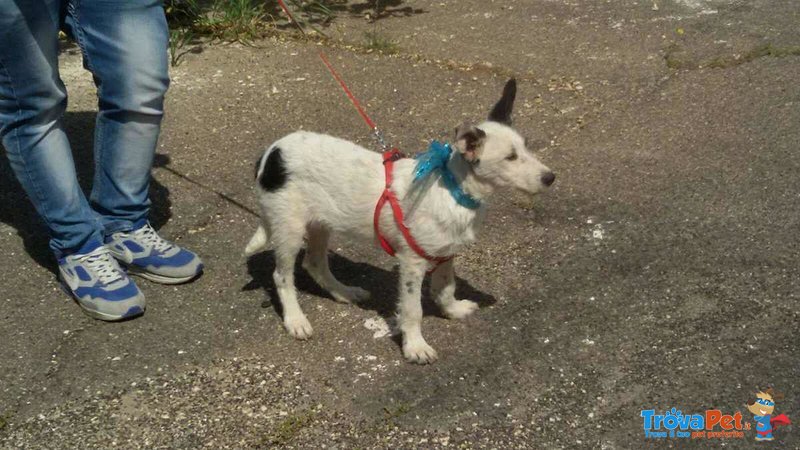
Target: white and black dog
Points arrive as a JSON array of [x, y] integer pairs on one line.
[[311, 185]]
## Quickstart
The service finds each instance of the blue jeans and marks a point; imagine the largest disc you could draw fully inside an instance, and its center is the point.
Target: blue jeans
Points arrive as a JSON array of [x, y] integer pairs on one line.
[[124, 45]]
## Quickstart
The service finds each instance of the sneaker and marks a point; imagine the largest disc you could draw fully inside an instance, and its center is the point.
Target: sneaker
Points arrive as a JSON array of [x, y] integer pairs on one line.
[[93, 278], [148, 255]]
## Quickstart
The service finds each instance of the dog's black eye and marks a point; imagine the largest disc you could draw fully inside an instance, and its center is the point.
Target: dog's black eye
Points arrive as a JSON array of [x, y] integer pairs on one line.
[[511, 157]]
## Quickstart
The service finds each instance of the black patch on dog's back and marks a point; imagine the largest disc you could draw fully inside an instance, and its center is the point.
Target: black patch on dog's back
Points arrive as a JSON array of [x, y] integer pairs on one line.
[[274, 175]]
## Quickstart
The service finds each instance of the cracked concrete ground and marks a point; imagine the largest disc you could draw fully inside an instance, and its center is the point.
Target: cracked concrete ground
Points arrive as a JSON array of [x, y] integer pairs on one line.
[[661, 271]]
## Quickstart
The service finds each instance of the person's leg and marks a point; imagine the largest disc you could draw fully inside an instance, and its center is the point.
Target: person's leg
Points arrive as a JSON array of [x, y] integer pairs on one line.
[[32, 102], [125, 47]]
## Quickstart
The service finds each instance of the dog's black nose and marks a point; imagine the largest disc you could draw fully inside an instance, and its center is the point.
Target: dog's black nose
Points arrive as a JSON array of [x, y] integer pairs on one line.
[[548, 178]]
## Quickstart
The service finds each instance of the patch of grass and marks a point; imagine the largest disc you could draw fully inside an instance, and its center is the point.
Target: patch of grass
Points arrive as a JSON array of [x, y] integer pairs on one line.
[[243, 20], [677, 59], [182, 13], [392, 414], [388, 421], [378, 42], [193, 22], [223, 20], [317, 11], [673, 62], [309, 14], [780, 52], [773, 51], [722, 62], [179, 40], [4, 420], [233, 21], [237, 20], [287, 429]]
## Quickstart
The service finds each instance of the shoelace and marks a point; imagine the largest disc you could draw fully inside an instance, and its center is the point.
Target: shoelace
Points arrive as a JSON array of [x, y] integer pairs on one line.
[[100, 262], [148, 236]]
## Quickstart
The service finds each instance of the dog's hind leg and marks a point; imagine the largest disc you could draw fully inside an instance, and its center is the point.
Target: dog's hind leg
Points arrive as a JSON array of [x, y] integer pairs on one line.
[[316, 264], [443, 289], [288, 240], [409, 311]]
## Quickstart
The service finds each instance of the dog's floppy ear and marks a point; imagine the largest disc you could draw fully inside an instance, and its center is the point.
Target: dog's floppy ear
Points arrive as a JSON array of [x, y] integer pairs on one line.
[[502, 110], [469, 142]]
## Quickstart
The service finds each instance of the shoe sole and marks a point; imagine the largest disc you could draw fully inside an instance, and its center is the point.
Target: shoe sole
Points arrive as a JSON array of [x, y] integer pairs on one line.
[[161, 279], [133, 311]]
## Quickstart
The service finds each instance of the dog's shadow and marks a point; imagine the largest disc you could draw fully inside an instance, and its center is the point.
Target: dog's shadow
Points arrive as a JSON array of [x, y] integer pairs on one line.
[[382, 285]]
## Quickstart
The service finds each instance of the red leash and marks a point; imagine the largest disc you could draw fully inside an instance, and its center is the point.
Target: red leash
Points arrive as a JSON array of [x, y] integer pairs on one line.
[[335, 75], [389, 158], [350, 95]]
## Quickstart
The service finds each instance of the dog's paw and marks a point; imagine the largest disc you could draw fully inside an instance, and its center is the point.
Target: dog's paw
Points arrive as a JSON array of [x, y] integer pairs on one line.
[[460, 309], [351, 294], [298, 326], [419, 352]]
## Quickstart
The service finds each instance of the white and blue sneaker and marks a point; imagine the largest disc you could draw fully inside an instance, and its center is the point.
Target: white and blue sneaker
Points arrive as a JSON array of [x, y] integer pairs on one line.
[[96, 281], [149, 256]]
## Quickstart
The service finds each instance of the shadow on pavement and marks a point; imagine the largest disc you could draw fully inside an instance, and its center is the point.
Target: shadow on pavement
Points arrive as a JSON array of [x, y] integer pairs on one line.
[[377, 9], [380, 283], [383, 9]]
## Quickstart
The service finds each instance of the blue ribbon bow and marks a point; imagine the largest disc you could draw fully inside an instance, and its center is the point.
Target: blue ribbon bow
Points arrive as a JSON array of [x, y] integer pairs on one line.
[[436, 158]]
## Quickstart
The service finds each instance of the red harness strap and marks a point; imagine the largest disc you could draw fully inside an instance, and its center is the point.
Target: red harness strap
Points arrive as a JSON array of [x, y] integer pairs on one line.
[[389, 158]]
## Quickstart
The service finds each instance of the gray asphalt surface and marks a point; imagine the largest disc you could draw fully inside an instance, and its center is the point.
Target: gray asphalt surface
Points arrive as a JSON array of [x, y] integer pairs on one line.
[[661, 271]]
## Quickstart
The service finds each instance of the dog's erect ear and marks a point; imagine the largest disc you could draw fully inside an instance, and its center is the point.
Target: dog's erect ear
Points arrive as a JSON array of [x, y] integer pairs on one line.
[[469, 142], [502, 110]]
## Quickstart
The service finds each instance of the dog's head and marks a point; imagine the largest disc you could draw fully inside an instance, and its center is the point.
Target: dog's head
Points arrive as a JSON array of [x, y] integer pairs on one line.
[[497, 154]]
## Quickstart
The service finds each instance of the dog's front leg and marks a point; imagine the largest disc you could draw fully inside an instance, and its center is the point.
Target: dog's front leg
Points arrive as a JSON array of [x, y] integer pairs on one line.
[[443, 289], [409, 311]]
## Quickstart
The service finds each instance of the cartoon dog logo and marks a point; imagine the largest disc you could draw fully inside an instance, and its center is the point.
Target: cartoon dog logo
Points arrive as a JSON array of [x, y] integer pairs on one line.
[[762, 408]]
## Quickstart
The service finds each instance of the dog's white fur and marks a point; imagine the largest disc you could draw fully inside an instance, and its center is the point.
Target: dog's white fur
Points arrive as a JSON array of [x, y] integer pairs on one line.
[[332, 185]]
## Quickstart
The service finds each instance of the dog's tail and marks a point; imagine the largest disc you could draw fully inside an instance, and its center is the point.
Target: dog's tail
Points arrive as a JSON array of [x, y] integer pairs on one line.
[[258, 242]]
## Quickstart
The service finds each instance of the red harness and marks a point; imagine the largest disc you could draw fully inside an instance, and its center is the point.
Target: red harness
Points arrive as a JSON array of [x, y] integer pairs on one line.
[[389, 158]]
